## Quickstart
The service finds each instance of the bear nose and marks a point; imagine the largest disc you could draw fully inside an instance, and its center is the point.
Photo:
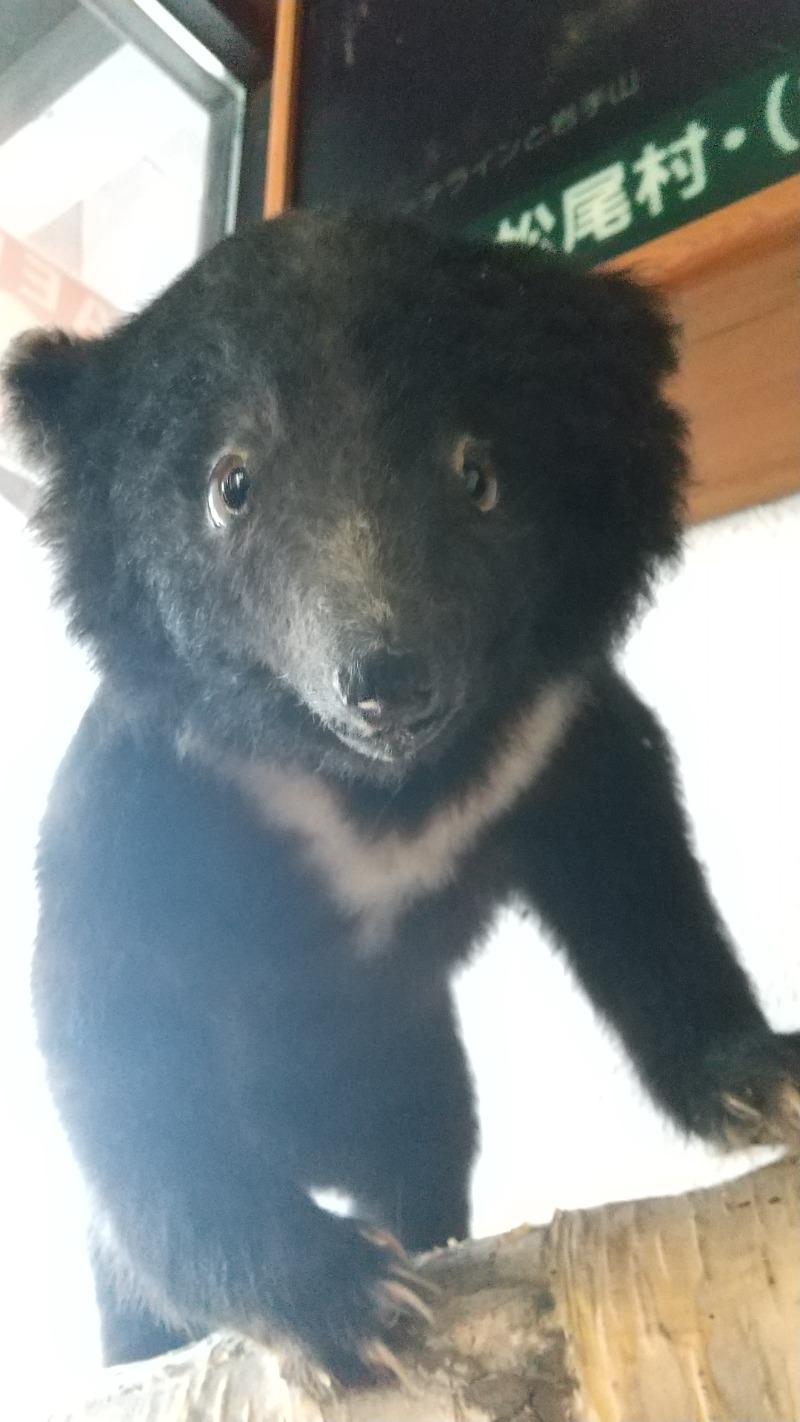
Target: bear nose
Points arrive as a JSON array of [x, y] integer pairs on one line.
[[387, 688]]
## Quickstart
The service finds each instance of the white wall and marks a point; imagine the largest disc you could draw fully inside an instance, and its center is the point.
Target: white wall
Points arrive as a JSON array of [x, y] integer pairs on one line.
[[46, 1303], [564, 1124]]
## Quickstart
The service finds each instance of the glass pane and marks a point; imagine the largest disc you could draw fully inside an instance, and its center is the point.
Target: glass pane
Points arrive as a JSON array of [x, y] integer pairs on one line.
[[106, 179]]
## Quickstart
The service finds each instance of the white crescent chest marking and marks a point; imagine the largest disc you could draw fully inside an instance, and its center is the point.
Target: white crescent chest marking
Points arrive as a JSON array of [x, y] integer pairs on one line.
[[372, 876]]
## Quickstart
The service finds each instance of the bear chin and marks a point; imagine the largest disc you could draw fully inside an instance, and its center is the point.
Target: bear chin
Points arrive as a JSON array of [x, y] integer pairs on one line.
[[398, 746]]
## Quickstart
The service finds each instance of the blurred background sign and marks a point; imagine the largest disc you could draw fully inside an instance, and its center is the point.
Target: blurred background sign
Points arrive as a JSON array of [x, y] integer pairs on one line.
[[470, 113], [699, 159]]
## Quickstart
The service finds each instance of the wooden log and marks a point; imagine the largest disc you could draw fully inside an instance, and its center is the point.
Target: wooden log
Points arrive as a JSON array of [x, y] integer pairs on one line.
[[652, 1311]]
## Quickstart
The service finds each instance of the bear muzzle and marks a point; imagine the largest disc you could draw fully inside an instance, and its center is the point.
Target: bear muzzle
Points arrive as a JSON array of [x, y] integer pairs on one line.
[[390, 700]]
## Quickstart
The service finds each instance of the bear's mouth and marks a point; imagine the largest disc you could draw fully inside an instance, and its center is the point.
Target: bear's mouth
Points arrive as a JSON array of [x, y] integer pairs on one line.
[[392, 742]]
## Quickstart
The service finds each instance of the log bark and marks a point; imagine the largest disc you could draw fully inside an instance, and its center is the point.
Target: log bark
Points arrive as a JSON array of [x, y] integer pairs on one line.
[[653, 1311]]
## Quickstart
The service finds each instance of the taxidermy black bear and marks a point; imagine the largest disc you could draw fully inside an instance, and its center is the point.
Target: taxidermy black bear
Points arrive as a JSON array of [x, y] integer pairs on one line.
[[351, 520]]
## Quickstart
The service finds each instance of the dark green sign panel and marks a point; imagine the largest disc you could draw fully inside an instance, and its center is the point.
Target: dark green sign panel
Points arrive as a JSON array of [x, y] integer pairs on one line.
[[722, 148]]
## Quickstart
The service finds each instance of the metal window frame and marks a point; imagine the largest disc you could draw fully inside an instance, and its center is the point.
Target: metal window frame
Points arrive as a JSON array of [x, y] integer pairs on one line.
[[239, 55], [256, 73], [159, 33]]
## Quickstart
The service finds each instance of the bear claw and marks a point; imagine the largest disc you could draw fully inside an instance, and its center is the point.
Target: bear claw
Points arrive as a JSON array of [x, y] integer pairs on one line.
[[403, 1298], [380, 1358], [776, 1121]]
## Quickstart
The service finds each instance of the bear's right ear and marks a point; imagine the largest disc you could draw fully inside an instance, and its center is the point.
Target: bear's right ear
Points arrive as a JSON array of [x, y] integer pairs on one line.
[[40, 376]]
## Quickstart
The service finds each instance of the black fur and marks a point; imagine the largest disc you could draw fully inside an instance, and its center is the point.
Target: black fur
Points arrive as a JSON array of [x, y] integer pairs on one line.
[[222, 1033]]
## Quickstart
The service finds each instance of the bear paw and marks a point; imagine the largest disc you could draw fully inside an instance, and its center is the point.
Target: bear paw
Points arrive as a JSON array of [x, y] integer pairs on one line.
[[371, 1298], [759, 1094]]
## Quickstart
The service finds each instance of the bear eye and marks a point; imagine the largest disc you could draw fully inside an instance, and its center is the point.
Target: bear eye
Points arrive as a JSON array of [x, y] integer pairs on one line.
[[475, 470], [228, 490]]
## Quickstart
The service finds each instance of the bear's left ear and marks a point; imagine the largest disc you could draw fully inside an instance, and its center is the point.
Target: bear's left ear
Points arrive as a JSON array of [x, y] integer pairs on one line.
[[634, 319], [615, 320], [41, 377]]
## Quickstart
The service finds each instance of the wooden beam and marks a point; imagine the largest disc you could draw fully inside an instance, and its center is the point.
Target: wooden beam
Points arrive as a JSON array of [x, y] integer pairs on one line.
[[283, 108], [767, 219], [733, 283], [646, 1311]]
